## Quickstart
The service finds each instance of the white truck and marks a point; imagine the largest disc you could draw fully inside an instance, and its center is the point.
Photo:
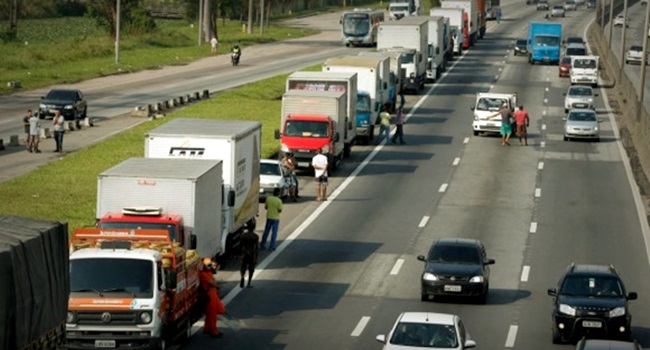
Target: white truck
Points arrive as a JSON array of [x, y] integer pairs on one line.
[[584, 70], [313, 120], [400, 9], [370, 82], [436, 48], [396, 76], [237, 144], [456, 30], [408, 33], [488, 104], [471, 9]]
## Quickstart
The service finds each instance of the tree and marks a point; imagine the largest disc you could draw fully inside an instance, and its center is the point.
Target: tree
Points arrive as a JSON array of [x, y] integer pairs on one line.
[[133, 17]]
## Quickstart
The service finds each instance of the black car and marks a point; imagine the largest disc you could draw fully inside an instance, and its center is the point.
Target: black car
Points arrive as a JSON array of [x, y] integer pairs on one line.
[[71, 103], [590, 301], [520, 47], [456, 267]]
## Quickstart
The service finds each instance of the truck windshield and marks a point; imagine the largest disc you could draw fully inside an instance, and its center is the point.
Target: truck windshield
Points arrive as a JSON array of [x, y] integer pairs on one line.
[[363, 104], [586, 63], [394, 8], [543, 40], [306, 128], [490, 103], [105, 276], [141, 226], [408, 58], [356, 24]]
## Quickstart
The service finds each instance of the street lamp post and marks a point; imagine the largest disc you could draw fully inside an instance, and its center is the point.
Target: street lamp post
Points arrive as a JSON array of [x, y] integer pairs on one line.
[[200, 21], [117, 32], [645, 56], [620, 72], [611, 18]]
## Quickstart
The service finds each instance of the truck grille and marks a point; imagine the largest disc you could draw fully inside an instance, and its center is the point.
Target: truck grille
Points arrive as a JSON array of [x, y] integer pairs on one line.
[[100, 317]]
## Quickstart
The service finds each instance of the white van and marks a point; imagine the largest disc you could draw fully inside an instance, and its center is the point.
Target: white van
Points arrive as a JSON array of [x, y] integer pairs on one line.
[[584, 70]]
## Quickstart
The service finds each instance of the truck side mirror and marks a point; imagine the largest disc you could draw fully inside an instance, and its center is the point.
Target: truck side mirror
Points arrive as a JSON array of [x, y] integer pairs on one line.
[[231, 198], [192, 241], [277, 134], [336, 137], [170, 279], [385, 86]]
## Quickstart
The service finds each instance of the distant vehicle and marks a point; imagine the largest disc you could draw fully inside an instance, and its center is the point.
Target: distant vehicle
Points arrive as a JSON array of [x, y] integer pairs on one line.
[[272, 176], [635, 55], [455, 267], [620, 20], [520, 47], [581, 124], [565, 67], [574, 40], [427, 330], [579, 97], [359, 27], [398, 10], [575, 50], [570, 5], [579, 2], [531, 2], [70, 102], [591, 4], [590, 300], [557, 11], [542, 5], [601, 344]]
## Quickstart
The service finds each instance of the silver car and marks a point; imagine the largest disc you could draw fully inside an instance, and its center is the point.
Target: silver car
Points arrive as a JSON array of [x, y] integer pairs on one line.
[[579, 96], [570, 5], [581, 124], [557, 11]]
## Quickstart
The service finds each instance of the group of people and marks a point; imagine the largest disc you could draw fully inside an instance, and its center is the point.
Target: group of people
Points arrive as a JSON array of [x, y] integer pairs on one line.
[[519, 119], [32, 125]]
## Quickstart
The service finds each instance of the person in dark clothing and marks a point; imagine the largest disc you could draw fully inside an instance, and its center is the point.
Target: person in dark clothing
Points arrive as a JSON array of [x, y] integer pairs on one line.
[[249, 249]]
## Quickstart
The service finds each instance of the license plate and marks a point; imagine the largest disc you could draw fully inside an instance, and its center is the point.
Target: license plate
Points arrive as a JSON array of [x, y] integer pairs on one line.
[[452, 288], [303, 150], [303, 164], [491, 124], [592, 324], [104, 343]]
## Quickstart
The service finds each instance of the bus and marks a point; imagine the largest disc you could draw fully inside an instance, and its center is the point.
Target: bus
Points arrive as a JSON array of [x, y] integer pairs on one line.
[[359, 27]]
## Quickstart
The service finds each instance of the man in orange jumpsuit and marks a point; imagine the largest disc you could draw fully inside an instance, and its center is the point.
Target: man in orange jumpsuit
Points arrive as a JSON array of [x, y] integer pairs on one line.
[[214, 305]]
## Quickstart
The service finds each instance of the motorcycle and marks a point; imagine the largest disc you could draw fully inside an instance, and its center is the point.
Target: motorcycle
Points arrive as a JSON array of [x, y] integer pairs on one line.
[[234, 57]]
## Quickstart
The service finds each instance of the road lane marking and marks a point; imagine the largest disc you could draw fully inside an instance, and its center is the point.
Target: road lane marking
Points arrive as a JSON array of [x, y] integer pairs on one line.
[[544, 113], [524, 273], [542, 144], [466, 140], [546, 89], [360, 326], [546, 101], [533, 227], [540, 166], [398, 265], [443, 188], [496, 77], [491, 86], [543, 126], [512, 336], [424, 221], [456, 161], [538, 192]]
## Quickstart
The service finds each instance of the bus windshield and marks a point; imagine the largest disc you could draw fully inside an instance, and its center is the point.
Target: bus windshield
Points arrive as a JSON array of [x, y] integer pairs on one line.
[[357, 24]]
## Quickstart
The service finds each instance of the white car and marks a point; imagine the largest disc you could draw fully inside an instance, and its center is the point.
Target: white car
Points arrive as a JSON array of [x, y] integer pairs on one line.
[[570, 5], [271, 177], [427, 330], [579, 96], [620, 20], [635, 55]]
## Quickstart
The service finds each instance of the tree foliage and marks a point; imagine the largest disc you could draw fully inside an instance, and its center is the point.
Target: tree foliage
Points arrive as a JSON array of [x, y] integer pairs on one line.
[[133, 18]]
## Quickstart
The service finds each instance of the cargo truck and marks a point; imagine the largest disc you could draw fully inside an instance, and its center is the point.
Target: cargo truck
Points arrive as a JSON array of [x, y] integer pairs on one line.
[[448, 41], [435, 49], [370, 82], [34, 283], [313, 120], [396, 76], [400, 9], [458, 26], [237, 144], [131, 289], [386, 73], [471, 16], [408, 33], [544, 42]]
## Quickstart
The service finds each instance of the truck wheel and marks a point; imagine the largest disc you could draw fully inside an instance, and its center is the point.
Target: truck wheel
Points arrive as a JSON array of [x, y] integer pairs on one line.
[[331, 160], [475, 133], [347, 149]]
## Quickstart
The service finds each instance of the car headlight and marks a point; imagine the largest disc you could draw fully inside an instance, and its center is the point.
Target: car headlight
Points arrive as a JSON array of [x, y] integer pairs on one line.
[[68, 107], [284, 148], [144, 317], [42, 106], [476, 279], [595, 128], [567, 310], [619, 311], [428, 276], [71, 317]]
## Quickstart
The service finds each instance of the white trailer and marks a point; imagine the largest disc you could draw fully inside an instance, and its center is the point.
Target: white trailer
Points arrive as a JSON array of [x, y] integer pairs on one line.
[[436, 48], [190, 188], [455, 17], [409, 33], [237, 144], [396, 76], [471, 9]]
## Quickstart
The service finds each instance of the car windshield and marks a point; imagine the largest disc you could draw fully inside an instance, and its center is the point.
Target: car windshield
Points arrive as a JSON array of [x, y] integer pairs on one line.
[[558, 8], [171, 229], [580, 91], [490, 104], [544, 40], [521, 42], [584, 63], [395, 8], [574, 40], [61, 95], [363, 104], [425, 335], [356, 24], [590, 286], [306, 128], [270, 169], [636, 48], [461, 254], [582, 116], [408, 58]]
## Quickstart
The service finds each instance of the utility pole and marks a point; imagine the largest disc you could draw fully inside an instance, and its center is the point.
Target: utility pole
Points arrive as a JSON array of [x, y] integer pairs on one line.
[[207, 20], [611, 25], [644, 59], [261, 16], [200, 22], [13, 19], [249, 28], [620, 71], [117, 32]]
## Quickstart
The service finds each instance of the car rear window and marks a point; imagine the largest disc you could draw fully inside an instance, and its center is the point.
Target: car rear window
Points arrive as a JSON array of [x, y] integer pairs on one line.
[[575, 52]]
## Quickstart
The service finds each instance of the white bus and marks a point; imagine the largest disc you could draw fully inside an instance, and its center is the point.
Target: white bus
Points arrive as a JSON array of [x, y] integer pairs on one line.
[[359, 27]]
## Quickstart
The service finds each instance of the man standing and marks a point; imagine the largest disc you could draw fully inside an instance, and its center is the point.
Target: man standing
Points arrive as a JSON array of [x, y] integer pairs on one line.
[[523, 122], [384, 125], [34, 133], [289, 168], [26, 127], [506, 129], [319, 162], [249, 249], [59, 129], [399, 127], [214, 44], [273, 207]]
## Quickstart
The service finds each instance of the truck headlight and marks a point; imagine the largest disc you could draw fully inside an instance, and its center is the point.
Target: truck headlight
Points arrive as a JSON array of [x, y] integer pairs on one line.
[[619, 311], [144, 317], [68, 107], [71, 317], [567, 310], [326, 149], [476, 279], [284, 148], [428, 276]]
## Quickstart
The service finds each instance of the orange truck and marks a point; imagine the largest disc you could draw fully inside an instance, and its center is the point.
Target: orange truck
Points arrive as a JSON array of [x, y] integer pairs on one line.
[[130, 289]]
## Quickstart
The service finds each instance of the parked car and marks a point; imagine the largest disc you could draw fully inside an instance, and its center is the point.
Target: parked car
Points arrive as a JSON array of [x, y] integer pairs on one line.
[[590, 300], [427, 330], [271, 177], [565, 67], [70, 102], [542, 5], [520, 47], [601, 344], [579, 96], [456, 267], [570, 5], [635, 55], [620, 20], [581, 124], [579, 2], [557, 11]]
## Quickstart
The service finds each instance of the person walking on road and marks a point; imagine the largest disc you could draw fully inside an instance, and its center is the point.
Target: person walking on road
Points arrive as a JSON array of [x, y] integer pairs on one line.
[[273, 207], [34, 133], [249, 249], [384, 125], [26, 126], [522, 120], [399, 127], [214, 44], [320, 164], [214, 306], [499, 14], [59, 128], [506, 129]]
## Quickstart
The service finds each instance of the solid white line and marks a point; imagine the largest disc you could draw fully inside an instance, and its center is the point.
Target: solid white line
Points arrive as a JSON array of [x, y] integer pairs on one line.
[[398, 265], [360, 326], [512, 336], [533, 227], [466, 140], [540, 166], [543, 126], [424, 221], [456, 161], [538, 192], [443, 188], [524, 273], [542, 144]]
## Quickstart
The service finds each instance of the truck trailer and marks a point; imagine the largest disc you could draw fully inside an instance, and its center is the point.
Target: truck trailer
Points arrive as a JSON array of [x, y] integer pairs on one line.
[[471, 11], [459, 27]]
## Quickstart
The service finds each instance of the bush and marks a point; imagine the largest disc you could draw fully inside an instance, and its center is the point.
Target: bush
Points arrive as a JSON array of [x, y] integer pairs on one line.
[[139, 21]]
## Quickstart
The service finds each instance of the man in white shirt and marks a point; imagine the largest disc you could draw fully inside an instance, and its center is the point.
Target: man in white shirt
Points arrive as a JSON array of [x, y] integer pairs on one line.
[[319, 162], [213, 44]]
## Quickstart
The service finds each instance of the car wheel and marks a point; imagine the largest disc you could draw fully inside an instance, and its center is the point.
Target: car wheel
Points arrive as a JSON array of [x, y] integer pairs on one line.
[[566, 138], [475, 133], [566, 110], [424, 297], [482, 299], [557, 338]]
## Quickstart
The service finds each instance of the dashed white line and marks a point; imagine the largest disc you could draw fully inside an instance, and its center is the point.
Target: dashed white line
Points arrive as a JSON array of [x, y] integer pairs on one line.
[[540, 166], [496, 77], [543, 126], [542, 144], [524, 273], [443, 188], [466, 140], [548, 79], [398, 265], [546, 89], [533, 227], [360, 326], [544, 113], [456, 161], [512, 336], [424, 221], [538, 192], [491, 86], [500, 69], [546, 101]]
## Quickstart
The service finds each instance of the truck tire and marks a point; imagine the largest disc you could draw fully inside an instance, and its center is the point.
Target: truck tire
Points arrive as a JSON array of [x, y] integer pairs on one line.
[[347, 149], [332, 160], [186, 331]]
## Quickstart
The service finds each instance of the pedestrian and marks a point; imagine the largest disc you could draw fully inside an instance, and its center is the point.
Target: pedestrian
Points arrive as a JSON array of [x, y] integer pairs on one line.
[[289, 169], [26, 126], [499, 15], [320, 164], [273, 207], [402, 98], [292, 157], [384, 125], [59, 128], [523, 122], [214, 306], [214, 43], [506, 128], [249, 249], [399, 127], [34, 133]]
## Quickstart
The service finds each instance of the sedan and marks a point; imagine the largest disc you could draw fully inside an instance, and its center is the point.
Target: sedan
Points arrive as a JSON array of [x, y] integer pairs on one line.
[[557, 11], [520, 47], [635, 55], [427, 330], [581, 124], [579, 96], [542, 5], [271, 177], [70, 102], [574, 40], [456, 267], [565, 67], [570, 5], [602, 344], [620, 20]]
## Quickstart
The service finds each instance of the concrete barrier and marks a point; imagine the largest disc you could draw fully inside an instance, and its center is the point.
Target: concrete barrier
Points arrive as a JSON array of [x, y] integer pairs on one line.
[[206, 94], [197, 96]]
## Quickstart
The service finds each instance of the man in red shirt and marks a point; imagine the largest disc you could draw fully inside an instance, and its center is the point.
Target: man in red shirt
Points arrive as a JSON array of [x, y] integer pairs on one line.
[[521, 118]]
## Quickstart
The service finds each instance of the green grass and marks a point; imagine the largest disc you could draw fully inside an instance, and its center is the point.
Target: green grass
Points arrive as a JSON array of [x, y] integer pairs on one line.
[[66, 190]]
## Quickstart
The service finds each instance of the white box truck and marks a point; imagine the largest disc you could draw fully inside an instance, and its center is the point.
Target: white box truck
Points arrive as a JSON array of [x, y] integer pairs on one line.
[[180, 196], [237, 144], [457, 27], [408, 33], [395, 77], [471, 9], [436, 48]]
